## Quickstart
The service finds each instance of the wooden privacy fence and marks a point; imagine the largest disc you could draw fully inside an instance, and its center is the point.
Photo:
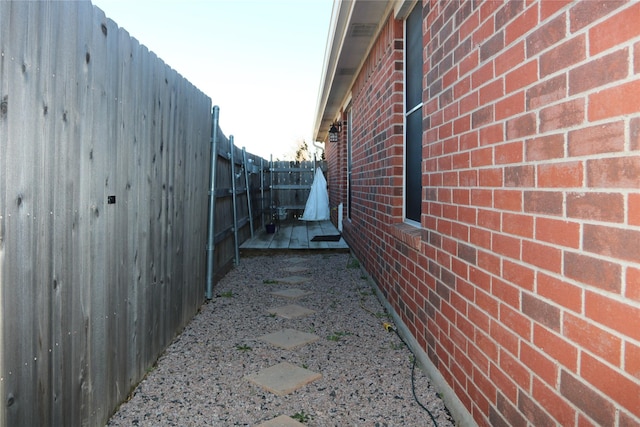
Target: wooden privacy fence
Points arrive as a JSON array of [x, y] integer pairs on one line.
[[291, 183], [240, 176], [105, 160], [265, 191]]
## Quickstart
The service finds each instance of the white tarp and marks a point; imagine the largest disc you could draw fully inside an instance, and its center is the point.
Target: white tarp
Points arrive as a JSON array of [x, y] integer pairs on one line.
[[317, 207]]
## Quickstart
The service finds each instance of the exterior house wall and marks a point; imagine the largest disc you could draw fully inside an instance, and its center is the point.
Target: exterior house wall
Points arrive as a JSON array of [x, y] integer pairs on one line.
[[377, 151], [522, 283], [336, 155]]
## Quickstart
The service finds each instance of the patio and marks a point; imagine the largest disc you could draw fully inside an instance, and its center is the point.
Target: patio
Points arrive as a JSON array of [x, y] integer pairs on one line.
[[296, 235]]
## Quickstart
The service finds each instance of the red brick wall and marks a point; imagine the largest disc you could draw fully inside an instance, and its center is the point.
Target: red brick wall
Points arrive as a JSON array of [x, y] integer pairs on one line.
[[336, 156], [523, 282], [377, 151]]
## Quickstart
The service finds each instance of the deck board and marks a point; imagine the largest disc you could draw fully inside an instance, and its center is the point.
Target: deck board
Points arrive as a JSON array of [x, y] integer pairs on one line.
[[314, 229], [295, 234], [300, 236], [282, 237]]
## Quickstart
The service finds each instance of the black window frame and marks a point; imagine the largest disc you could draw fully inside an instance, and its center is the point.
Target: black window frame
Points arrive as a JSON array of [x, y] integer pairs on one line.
[[413, 115]]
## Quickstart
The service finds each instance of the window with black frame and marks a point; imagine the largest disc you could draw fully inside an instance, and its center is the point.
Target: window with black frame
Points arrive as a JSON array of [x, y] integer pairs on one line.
[[349, 163], [413, 114]]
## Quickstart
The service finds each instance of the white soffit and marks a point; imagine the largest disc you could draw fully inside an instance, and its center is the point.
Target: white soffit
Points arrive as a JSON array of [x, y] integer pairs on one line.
[[354, 26]]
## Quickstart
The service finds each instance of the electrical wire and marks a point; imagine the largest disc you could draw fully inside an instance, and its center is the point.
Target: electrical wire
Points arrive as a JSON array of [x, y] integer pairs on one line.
[[389, 328], [413, 389]]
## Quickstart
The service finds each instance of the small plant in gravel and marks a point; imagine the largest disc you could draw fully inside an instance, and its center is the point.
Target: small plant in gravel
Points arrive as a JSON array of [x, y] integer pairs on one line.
[[227, 294], [337, 336], [269, 281], [301, 416], [353, 263], [243, 348]]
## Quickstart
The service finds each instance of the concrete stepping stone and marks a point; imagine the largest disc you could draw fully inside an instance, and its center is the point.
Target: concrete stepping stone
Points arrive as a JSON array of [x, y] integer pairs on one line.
[[293, 280], [291, 311], [281, 421], [283, 378], [291, 293], [295, 260], [295, 269], [289, 338]]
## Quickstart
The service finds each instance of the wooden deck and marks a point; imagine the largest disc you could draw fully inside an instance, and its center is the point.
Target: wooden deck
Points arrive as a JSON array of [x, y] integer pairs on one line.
[[294, 235]]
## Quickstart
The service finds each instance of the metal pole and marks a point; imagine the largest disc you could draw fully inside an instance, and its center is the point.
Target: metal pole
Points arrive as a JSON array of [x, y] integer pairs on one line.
[[246, 183], [262, 192], [211, 236], [233, 192], [271, 206]]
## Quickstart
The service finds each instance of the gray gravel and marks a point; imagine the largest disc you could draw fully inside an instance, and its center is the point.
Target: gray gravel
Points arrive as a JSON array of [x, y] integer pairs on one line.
[[366, 371]]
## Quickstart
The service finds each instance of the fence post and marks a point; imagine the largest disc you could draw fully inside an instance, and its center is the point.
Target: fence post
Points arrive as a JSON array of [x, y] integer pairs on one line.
[[245, 164], [212, 202], [261, 192], [271, 206], [233, 197]]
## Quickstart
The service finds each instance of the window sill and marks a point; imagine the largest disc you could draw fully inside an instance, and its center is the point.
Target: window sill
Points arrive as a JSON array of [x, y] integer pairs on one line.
[[407, 234]]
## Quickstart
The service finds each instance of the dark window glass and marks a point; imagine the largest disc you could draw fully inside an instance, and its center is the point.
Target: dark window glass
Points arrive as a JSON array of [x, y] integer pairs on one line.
[[413, 119], [349, 149], [414, 58], [413, 200]]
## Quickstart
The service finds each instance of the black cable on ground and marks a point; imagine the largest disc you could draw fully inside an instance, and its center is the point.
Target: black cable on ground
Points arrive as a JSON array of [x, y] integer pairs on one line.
[[413, 389], [388, 327]]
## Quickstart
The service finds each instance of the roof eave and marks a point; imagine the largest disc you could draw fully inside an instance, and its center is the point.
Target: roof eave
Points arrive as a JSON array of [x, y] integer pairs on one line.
[[355, 24]]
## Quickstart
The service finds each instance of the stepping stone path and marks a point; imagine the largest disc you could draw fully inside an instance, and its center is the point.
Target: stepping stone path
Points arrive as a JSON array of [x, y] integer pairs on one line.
[[285, 378], [293, 280], [291, 311], [296, 260], [291, 293], [289, 338], [295, 269]]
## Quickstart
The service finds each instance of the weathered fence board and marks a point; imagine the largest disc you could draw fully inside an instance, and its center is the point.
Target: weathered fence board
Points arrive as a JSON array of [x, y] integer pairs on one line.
[[225, 238], [291, 184], [92, 292]]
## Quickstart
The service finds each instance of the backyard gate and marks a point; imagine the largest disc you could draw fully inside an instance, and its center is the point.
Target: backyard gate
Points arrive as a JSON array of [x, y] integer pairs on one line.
[[290, 186]]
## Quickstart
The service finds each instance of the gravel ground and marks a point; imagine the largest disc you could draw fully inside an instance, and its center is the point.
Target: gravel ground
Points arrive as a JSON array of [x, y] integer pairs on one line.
[[366, 371]]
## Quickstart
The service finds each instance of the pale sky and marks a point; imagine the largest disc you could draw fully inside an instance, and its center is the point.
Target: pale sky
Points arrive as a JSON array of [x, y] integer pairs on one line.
[[260, 61]]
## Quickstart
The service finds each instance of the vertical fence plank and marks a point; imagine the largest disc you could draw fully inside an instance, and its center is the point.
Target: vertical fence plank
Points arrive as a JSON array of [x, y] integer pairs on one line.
[[61, 161], [77, 213], [20, 286], [92, 213], [4, 149]]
